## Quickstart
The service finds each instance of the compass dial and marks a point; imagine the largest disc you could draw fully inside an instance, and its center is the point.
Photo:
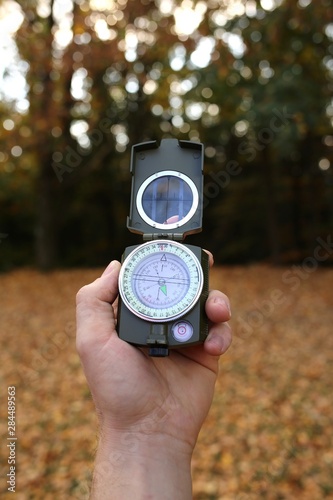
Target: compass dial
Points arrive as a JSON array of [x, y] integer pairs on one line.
[[160, 281]]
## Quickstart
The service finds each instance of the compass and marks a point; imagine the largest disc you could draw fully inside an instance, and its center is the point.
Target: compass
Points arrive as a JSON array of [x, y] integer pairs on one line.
[[163, 283], [160, 281]]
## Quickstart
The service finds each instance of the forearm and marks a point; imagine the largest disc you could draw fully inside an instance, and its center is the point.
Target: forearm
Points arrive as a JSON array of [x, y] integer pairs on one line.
[[140, 467]]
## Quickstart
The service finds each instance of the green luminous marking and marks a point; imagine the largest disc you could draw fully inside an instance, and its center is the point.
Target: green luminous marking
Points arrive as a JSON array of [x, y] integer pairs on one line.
[[164, 289]]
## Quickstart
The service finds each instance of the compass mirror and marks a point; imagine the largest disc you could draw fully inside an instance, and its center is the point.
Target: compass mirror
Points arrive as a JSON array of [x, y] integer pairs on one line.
[[167, 200]]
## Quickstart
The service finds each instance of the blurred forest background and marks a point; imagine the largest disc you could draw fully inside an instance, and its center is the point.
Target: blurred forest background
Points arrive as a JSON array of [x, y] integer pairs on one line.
[[81, 81]]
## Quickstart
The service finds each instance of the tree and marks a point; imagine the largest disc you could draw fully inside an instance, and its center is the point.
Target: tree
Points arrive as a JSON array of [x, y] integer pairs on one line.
[[273, 120], [254, 85]]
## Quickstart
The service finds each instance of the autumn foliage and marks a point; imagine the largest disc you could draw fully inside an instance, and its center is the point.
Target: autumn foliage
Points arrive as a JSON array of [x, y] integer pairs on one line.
[[269, 432]]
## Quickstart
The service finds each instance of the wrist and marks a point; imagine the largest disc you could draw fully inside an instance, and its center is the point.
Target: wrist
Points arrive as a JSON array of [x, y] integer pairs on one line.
[[142, 466]]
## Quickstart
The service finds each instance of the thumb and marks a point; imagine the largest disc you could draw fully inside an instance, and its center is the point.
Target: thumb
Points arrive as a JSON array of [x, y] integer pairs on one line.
[[95, 321]]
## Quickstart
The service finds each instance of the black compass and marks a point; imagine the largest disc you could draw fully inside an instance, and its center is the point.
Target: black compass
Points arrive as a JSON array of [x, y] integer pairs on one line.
[[163, 283]]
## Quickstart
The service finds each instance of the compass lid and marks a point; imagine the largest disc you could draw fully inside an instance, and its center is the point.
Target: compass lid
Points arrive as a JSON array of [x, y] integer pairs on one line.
[[167, 188]]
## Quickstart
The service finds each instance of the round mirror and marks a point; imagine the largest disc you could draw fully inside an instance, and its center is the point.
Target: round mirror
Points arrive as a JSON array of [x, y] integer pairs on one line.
[[167, 200]]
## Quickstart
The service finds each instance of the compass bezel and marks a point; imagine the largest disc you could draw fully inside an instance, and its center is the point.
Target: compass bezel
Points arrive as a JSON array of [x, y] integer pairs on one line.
[[127, 289]]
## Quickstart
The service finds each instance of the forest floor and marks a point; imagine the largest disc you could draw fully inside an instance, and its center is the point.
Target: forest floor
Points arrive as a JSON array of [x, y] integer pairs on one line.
[[269, 434]]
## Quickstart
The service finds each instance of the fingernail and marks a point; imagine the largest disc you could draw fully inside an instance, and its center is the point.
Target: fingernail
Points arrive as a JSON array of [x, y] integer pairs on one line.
[[224, 303], [217, 340], [109, 268]]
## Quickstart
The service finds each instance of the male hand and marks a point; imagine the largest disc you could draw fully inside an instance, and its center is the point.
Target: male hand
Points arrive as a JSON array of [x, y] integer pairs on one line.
[[145, 405]]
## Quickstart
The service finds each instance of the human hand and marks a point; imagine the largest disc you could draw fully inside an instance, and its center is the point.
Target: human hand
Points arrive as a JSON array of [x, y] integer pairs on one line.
[[146, 404]]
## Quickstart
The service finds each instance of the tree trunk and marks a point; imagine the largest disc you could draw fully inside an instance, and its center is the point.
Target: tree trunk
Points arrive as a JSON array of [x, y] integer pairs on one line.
[[43, 105], [272, 223], [46, 219]]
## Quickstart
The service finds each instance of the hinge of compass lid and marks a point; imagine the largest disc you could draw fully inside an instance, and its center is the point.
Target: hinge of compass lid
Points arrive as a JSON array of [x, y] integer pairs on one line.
[[163, 236]]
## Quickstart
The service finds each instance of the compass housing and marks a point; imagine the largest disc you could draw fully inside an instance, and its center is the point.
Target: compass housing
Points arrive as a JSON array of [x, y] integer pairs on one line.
[[171, 332]]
